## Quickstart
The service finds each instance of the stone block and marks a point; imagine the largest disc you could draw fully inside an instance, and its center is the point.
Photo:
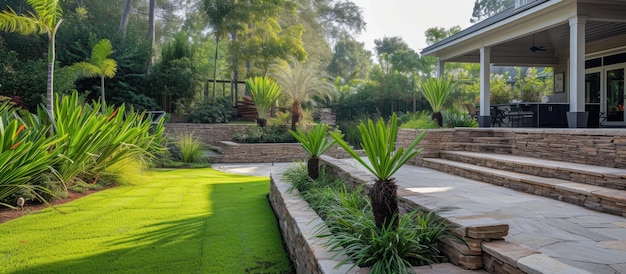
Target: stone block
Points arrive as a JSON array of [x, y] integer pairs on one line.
[[542, 264]]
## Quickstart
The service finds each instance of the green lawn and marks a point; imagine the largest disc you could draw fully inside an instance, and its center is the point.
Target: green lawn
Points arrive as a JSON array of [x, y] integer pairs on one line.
[[178, 221]]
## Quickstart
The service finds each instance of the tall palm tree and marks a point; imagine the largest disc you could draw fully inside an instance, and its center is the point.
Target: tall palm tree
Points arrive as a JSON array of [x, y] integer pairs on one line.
[[300, 82], [46, 19], [98, 65]]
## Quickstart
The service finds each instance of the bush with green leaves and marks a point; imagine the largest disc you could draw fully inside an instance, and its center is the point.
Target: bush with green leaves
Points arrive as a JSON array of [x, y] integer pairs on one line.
[[419, 120], [211, 111], [264, 92], [190, 149], [454, 118], [436, 92], [98, 140], [268, 134], [26, 154]]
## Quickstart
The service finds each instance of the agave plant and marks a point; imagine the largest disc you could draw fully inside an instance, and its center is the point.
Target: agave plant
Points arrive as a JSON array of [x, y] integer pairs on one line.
[[378, 141], [264, 92], [436, 92], [315, 143]]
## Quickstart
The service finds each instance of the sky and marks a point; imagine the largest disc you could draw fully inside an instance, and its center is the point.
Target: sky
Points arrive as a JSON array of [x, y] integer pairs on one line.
[[409, 19]]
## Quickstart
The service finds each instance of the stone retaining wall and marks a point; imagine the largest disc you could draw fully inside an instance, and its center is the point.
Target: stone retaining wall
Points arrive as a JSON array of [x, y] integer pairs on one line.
[[266, 153], [207, 133], [601, 147]]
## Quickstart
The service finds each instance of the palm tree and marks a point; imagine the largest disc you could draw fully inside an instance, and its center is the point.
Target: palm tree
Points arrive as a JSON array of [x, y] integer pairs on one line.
[[46, 19], [436, 92], [300, 82], [315, 143], [378, 142], [99, 65], [219, 12]]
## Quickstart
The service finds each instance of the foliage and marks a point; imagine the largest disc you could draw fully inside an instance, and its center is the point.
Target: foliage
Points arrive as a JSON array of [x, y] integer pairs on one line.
[[350, 60], [98, 65], [97, 140], [268, 134], [315, 143], [436, 91], [379, 143], [486, 8], [45, 19], [190, 148], [264, 92], [25, 155], [419, 120], [452, 118], [165, 219], [211, 110]]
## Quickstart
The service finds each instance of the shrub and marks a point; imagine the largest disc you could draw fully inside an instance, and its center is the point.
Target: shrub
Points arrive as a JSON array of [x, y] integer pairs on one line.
[[268, 134], [455, 118], [419, 120], [211, 111], [190, 149]]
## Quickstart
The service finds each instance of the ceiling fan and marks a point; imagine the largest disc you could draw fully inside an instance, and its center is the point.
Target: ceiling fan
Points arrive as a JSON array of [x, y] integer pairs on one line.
[[536, 48]]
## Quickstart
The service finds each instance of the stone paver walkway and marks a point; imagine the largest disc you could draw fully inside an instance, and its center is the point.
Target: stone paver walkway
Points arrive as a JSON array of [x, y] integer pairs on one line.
[[574, 235]]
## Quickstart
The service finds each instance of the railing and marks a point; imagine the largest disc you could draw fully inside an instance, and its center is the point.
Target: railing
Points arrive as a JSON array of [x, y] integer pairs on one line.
[[521, 3]]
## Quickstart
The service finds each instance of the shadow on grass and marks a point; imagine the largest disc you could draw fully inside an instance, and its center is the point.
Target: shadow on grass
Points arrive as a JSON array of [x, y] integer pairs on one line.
[[239, 234]]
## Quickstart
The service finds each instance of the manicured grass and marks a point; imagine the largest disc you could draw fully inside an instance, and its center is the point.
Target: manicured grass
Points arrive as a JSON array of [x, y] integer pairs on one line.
[[178, 221]]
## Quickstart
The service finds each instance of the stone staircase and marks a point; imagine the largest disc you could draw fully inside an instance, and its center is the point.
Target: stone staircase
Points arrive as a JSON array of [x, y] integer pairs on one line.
[[595, 187]]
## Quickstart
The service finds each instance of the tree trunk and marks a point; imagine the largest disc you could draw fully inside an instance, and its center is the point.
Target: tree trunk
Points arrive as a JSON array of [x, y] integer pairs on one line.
[[217, 46], [296, 113], [151, 32], [438, 117], [125, 15], [262, 122], [384, 202], [104, 105], [313, 166]]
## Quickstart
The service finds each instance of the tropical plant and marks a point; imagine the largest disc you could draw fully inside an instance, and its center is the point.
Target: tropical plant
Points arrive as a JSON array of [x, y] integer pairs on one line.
[[46, 19], [98, 65], [419, 120], [25, 154], [98, 140], [300, 82], [379, 143], [211, 110], [190, 148], [436, 91], [315, 143], [264, 92], [454, 118]]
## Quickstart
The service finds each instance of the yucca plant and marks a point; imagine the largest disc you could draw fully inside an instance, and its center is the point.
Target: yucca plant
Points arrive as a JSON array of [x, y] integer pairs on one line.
[[436, 92], [378, 142], [264, 92], [315, 143], [25, 154], [98, 65]]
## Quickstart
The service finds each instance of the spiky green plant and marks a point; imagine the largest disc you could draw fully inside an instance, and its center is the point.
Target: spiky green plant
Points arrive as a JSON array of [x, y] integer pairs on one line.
[[264, 92], [25, 154], [98, 65], [315, 143], [436, 92], [190, 148], [379, 144]]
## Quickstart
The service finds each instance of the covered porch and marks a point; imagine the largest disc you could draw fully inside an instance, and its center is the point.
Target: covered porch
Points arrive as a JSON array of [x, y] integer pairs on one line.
[[584, 41]]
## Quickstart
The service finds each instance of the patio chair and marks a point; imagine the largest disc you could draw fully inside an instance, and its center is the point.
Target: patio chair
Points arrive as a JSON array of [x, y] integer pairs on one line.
[[471, 109]]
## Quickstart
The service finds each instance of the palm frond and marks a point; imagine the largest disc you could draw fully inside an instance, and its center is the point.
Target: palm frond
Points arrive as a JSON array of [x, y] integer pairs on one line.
[[12, 22], [101, 51]]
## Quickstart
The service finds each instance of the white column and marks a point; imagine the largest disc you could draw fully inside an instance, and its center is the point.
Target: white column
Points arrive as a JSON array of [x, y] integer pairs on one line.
[[485, 73], [577, 64], [441, 65]]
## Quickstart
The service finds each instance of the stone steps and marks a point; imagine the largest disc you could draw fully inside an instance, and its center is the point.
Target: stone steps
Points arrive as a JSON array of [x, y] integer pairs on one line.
[[591, 196], [614, 178]]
